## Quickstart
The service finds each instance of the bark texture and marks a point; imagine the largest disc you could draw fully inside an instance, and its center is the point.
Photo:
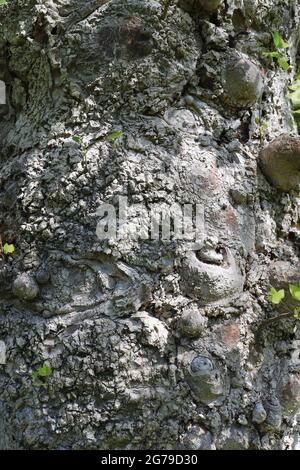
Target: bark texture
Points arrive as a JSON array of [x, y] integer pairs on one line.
[[152, 344]]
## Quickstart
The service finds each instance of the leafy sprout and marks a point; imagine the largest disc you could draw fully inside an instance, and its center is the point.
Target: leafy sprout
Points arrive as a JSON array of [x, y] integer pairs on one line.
[[297, 313], [295, 292], [41, 375], [77, 139], [294, 97], [262, 126], [113, 136], [280, 44], [7, 248], [277, 296]]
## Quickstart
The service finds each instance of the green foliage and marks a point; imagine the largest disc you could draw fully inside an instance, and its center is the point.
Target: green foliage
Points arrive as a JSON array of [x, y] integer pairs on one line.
[[273, 54], [41, 375], [283, 63], [77, 139], [281, 59], [2, 2], [295, 292], [262, 126], [45, 371], [275, 296], [294, 97], [297, 313], [113, 136], [280, 44], [8, 249]]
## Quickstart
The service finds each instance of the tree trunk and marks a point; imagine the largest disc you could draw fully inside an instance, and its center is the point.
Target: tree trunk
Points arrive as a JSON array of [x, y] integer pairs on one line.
[[113, 340]]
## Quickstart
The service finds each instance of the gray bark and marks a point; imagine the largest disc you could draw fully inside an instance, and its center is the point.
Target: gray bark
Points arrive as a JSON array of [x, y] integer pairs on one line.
[[152, 343]]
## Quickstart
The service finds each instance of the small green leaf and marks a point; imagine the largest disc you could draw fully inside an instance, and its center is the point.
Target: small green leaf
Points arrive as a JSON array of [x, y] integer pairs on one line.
[[273, 54], [281, 59], [45, 371], [295, 86], [295, 98], [41, 375], [8, 249], [275, 296], [283, 63], [77, 139], [295, 291], [279, 42], [296, 312], [2, 2], [114, 136], [263, 126]]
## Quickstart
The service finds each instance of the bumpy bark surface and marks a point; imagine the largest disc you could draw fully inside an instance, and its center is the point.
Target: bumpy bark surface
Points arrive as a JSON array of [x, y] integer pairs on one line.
[[151, 344]]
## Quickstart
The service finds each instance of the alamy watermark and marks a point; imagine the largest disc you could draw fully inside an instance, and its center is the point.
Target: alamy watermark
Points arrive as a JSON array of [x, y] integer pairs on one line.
[[150, 222]]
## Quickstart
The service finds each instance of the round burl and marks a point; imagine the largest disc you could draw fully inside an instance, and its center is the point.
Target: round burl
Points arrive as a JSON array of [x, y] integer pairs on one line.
[[192, 323], [291, 393], [280, 162], [211, 279], [201, 365], [25, 287], [243, 82], [205, 380], [42, 276], [259, 413]]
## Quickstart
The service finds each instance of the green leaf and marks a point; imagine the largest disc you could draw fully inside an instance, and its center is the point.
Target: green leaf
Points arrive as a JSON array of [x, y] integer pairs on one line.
[[295, 98], [283, 63], [114, 136], [281, 59], [296, 312], [77, 139], [8, 249], [45, 371], [279, 41], [275, 296], [295, 292], [2, 2], [295, 86], [274, 54]]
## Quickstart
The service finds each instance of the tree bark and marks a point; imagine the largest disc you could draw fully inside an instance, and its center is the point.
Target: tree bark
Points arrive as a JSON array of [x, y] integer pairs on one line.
[[151, 343]]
